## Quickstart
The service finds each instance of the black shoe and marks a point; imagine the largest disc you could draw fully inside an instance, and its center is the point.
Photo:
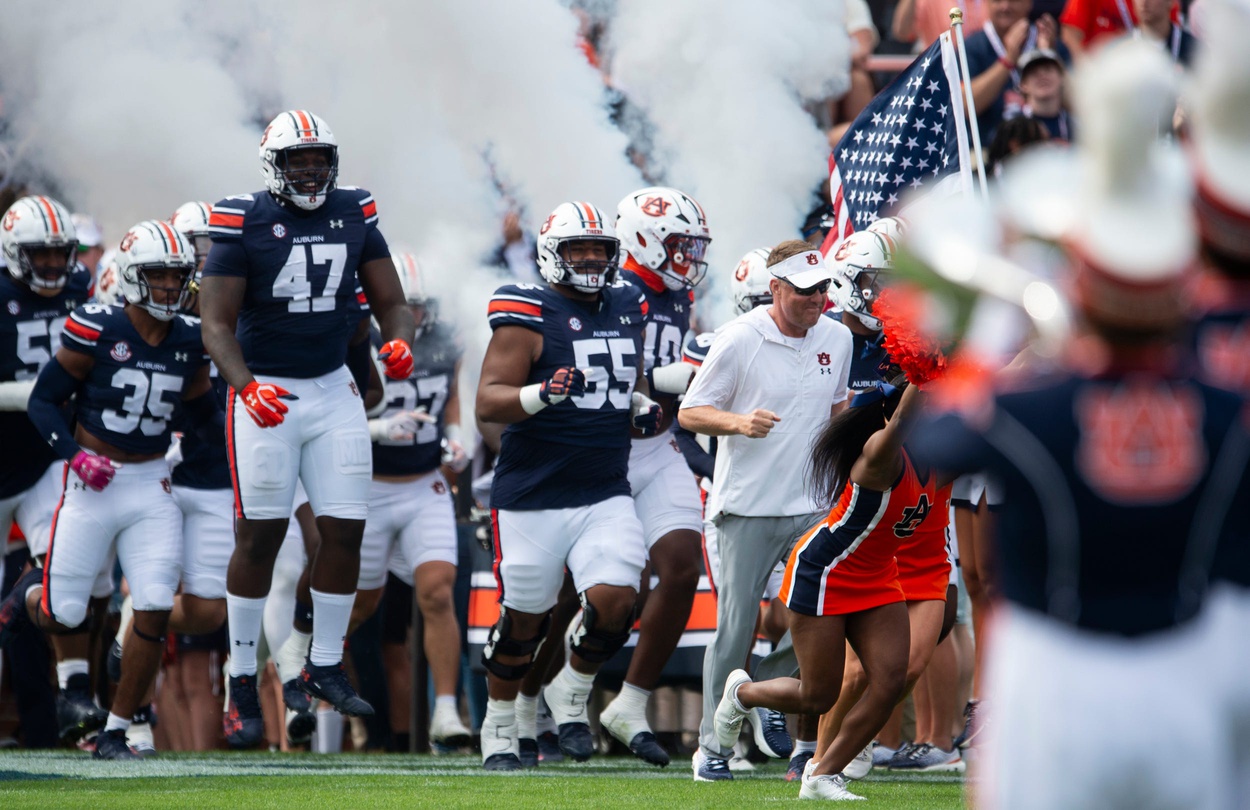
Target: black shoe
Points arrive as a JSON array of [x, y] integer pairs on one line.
[[76, 713], [549, 747], [243, 723], [13, 615], [114, 663], [112, 745], [576, 741], [529, 752], [303, 722], [502, 762], [329, 683], [646, 747]]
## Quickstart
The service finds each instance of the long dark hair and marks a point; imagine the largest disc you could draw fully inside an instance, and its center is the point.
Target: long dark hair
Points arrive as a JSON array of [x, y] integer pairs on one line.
[[841, 443]]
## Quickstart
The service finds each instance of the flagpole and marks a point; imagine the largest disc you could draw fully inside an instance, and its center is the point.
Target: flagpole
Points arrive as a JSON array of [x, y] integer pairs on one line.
[[957, 22]]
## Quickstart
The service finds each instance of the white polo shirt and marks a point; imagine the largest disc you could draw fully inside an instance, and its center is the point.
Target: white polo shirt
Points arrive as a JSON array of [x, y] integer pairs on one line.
[[752, 365]]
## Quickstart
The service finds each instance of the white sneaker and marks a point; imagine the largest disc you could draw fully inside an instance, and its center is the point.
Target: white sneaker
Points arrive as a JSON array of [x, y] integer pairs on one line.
[[739, 762], [139, 737], [861, 766], [829, 787], [447, 729], [728, 718], [809, 767]]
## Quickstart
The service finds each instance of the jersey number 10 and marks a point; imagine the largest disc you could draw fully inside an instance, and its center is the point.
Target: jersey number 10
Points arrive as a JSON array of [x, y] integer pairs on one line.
[[295, 282]]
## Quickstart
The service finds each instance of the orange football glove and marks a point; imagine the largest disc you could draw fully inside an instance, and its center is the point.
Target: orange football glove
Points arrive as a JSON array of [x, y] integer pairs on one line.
[[398, 359], [264, 403]]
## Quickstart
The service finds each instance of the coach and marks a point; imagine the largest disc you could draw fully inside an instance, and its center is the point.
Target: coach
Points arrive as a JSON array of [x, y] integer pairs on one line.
[[771, 379]]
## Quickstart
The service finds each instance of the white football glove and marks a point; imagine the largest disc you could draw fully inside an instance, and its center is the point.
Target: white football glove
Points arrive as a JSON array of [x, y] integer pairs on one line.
[[398, 427]]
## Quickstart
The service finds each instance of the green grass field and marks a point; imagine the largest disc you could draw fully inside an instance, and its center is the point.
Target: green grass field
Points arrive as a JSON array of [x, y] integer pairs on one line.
[[244, 781]]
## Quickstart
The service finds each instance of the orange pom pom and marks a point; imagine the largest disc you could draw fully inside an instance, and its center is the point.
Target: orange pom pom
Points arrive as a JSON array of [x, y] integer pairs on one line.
[[901, 312]]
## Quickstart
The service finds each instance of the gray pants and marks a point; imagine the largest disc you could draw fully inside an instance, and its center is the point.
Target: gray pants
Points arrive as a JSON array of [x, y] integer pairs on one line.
[[750, 548]]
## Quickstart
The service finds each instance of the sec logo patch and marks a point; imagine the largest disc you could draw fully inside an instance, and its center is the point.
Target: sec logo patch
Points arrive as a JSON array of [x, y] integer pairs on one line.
[[121, 351], [575, 324], [279, 230]]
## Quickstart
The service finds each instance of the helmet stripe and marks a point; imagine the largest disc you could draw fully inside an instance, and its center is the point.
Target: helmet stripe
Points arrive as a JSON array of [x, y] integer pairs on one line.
[[590, 218], [307, 121], [171, 240], [53, 222]]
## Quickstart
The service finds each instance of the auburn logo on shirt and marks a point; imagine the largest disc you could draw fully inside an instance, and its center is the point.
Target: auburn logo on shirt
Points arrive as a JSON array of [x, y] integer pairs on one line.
[[912, 517], [1224, 352], [1140, 442]]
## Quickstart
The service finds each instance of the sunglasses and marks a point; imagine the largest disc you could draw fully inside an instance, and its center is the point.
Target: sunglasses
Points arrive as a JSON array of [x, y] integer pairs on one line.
[[822, 287]]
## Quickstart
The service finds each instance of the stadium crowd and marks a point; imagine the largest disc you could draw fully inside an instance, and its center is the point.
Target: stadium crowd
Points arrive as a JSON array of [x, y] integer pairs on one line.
[[966, 479]]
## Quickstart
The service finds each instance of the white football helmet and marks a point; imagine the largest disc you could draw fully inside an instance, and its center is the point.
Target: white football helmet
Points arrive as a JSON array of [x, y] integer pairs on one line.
[[856, 264], [43, 224], [665, 231], [191, 220], [411, 279], [296, 131], [577, 222], [107, 283], [750, 281], [890, 227], [150, 245]]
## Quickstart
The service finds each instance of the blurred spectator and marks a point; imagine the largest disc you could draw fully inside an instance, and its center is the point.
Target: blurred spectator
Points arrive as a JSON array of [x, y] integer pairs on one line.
[[922, 21], [1087, 22], [864, 40], [90, 241], [518, 254], [1013, 137], [994, 54], [1157, 25], [1042, 75]]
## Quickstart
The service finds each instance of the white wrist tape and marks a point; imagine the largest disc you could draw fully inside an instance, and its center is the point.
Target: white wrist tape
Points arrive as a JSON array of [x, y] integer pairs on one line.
[[531, 398], [451, 432], [673, 378]]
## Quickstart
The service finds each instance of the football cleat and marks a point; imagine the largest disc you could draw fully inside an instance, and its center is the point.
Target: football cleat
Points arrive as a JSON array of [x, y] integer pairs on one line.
[[13, 615], [798, 762], [830, 787], [112, 745], [502, 762], [139, 737], [76, 713], [728, 718], [499, 746], [549, 747], [301, 721], [329, 683], [529, 752], [243, 724], [710, 769], [568, 709], [771, 735], [641, 741]]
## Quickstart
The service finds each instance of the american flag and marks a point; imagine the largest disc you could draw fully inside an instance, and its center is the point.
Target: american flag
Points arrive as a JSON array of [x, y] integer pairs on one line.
[[909, 136]]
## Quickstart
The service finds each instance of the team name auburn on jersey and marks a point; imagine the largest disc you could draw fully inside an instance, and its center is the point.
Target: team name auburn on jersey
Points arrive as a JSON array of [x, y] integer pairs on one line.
[[134, 389], [303, 300]]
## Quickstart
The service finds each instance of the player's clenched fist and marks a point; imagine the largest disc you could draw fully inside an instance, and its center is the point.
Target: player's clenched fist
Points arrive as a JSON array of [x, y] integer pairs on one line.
[[645, 414], [264, 403], [95, 471], [564, 383], [397, 357], [757, 423]]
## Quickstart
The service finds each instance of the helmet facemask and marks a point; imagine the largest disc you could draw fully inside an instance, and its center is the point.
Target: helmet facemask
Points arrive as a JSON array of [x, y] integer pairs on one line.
[[163, 312], [859, 295], [583, 274], [305, 185], [47, 275], [685, 266]]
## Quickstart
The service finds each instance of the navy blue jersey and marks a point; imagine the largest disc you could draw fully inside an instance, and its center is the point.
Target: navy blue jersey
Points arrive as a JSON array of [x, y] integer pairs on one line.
[[205, 464], [435, 354], [1221, 345], [576, 452], [134, 390], [30, 334], [1116, 492], [866, 355], [304, 300], [668, 320], [696, 348]]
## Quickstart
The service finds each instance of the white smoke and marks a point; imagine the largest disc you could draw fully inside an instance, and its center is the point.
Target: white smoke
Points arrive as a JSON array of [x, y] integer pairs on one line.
[[723, 83]]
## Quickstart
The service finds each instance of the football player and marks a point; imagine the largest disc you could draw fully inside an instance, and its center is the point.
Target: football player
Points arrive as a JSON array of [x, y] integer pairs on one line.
[[415, 429], [664, 237], [44, 284], [130, 370], [285, 292], [564, 371]]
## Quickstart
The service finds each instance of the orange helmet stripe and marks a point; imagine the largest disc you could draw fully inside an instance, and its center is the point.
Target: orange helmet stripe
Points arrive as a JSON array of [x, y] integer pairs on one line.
[[53, 220]]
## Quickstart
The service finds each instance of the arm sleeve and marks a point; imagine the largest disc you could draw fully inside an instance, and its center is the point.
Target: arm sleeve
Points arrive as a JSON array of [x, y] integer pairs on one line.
[[226, 259], [53, 388], [700, 462], [716, 381]]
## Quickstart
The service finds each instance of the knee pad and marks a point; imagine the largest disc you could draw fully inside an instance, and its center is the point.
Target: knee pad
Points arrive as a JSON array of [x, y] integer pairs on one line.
[[155, 598], [69, 614], [501, 642], [592, 643]]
